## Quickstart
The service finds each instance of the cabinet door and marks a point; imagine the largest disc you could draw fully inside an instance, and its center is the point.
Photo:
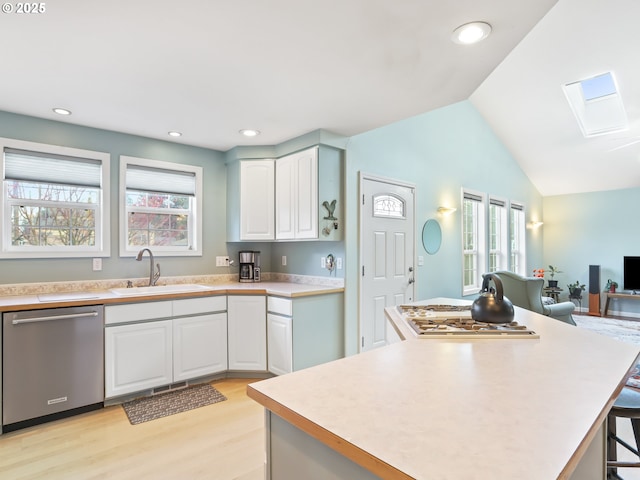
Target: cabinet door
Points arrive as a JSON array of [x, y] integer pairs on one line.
[[247, 332], [297, 195], [306, 194], [286, 173], [279, 344], [199, 346], [138, 357], [257, 200]]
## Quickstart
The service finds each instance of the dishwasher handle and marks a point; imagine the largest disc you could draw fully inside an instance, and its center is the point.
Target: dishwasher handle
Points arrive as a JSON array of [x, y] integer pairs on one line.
[[50, 318]]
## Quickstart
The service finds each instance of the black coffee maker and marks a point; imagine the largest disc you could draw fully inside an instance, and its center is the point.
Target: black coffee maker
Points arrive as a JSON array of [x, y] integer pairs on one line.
[[249, 266]]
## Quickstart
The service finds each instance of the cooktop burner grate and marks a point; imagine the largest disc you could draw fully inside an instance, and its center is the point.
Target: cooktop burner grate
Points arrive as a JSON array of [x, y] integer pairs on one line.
[[429, 321]]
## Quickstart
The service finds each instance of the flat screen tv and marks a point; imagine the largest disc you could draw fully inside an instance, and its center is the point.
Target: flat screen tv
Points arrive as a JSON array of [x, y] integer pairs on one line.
[[632, 273]]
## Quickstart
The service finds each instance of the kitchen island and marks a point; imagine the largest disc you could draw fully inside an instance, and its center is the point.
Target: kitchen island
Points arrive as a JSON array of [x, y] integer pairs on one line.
[[450, 408]]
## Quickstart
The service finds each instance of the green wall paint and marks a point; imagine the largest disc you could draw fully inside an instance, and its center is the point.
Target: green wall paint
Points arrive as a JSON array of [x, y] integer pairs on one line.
[[440, 152], [301, 257], [69, 135], [596, 228]]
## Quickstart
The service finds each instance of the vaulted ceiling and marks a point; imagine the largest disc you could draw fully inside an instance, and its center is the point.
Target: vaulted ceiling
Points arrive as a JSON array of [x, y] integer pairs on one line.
[[209, 68]]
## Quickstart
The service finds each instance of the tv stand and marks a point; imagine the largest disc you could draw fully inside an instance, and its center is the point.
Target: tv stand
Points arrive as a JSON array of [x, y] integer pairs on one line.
[[627, 296]]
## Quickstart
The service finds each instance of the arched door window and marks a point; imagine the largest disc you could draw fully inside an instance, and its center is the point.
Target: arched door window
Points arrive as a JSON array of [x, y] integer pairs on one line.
[[388, 206]]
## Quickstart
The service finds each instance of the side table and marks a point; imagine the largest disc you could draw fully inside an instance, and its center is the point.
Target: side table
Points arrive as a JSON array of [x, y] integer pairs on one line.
[[553, 292]]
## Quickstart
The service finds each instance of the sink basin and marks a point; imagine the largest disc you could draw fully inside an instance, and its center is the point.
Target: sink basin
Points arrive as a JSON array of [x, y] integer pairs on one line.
[[160, 289]]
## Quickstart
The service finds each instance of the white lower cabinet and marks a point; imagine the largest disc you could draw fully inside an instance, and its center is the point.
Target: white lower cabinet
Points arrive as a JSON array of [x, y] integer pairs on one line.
[[247, 332], [279, 344], [199, 346], [304, 331], [138, 357], [143, 351]]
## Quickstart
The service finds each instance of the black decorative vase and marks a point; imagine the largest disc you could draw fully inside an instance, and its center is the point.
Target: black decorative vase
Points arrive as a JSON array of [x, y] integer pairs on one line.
[[553, 283]]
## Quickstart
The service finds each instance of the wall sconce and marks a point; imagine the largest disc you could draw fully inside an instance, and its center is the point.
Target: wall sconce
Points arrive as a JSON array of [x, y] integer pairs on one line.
[[535, 225], [446, 210]]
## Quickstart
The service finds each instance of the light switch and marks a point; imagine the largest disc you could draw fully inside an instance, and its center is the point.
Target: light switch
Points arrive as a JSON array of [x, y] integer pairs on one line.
[[339, 263], [284, 260], [420, 261], [323, 262]]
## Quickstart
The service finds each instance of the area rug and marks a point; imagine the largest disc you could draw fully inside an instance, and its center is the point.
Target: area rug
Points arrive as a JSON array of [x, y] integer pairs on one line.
[[146, 409], [623, 330]]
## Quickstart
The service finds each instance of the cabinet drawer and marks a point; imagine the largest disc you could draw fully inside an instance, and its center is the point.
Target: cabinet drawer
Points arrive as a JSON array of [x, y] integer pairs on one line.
[[195, 306], [283, 306], [135, 312]]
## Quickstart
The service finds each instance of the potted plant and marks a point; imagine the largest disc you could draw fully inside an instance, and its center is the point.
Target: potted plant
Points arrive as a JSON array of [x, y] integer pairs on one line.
[[538, 272], [575, 289], [553, 270], [611, 286]]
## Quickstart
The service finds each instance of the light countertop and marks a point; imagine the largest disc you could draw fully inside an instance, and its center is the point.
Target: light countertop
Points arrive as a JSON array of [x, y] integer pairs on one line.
[[460, 408], [81, 296]]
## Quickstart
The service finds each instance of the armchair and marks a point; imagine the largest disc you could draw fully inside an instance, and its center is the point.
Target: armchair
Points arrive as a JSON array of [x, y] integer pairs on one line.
[[526, 292]]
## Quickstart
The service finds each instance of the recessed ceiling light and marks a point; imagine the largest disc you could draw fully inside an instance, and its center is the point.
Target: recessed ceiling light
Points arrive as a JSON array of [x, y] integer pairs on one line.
[[248, 132], [471, 33], [174, 134], [62, 111]]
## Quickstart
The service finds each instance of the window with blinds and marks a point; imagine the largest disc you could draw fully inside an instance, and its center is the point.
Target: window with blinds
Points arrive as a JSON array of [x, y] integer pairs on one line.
[[162, 207], [473, 233], [517, 239], [497, 234], [55, 201]]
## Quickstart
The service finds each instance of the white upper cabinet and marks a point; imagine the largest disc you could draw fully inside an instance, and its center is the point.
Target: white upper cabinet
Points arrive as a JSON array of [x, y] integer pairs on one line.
[[257, 200], [297, 195]]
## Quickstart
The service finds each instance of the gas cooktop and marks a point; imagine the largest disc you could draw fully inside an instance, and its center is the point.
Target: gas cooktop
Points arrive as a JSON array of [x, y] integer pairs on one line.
[[436, 321]]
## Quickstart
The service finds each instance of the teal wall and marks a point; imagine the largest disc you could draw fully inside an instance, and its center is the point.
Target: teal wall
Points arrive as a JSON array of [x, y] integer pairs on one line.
[[302, 258], [596, 228], [440, 152], [69, 135]]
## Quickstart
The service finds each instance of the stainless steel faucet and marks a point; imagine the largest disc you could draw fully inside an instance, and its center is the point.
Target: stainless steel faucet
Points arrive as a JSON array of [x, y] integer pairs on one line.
[[153, 276]]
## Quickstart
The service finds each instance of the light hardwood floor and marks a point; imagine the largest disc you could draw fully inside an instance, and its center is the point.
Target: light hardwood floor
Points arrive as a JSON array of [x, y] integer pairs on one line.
[[223, 441]]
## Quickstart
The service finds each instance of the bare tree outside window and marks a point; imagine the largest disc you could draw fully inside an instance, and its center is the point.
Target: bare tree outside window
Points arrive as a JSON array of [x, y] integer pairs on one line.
[[44, 214]]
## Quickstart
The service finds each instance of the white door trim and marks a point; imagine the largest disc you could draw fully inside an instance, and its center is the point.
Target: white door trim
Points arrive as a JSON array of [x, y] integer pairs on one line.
[[376, 178]]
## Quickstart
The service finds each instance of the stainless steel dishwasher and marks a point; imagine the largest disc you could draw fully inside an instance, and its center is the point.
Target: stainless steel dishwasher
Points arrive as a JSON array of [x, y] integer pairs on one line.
[[52, 364]]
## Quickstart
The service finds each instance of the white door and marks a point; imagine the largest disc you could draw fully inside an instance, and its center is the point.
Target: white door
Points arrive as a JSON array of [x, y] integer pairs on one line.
[[387, 254]]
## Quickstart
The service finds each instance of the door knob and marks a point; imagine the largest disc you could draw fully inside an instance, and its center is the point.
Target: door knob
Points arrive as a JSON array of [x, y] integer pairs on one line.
[[410, 269]]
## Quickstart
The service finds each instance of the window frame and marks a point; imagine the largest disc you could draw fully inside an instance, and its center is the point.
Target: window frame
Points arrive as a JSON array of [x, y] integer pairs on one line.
[[479, 233], [518, 255], [502, 235], [195, 219], [102, 247]]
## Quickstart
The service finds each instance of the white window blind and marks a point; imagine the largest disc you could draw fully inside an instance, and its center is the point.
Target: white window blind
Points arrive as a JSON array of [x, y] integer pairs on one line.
[[159, 180], [51, 168]]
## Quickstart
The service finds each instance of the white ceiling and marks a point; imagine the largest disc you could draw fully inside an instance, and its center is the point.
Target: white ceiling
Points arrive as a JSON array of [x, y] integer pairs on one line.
[[524, 103], [209, 68]]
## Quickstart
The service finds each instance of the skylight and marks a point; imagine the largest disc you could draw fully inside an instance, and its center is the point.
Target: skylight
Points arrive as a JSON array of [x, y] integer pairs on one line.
[[597, 105]]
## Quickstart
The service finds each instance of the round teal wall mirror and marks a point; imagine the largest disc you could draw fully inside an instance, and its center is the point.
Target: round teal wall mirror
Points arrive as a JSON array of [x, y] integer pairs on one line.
[[431, 236]]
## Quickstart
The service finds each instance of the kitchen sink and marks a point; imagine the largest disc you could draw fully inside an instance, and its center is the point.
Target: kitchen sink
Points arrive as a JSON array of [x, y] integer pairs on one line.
[[160, 289]]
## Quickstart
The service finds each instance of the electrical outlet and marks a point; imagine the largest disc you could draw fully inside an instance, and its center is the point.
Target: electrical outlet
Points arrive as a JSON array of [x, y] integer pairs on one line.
[[97, 264], [222, 261], [339, 263], [323, 262], [284, 260]]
